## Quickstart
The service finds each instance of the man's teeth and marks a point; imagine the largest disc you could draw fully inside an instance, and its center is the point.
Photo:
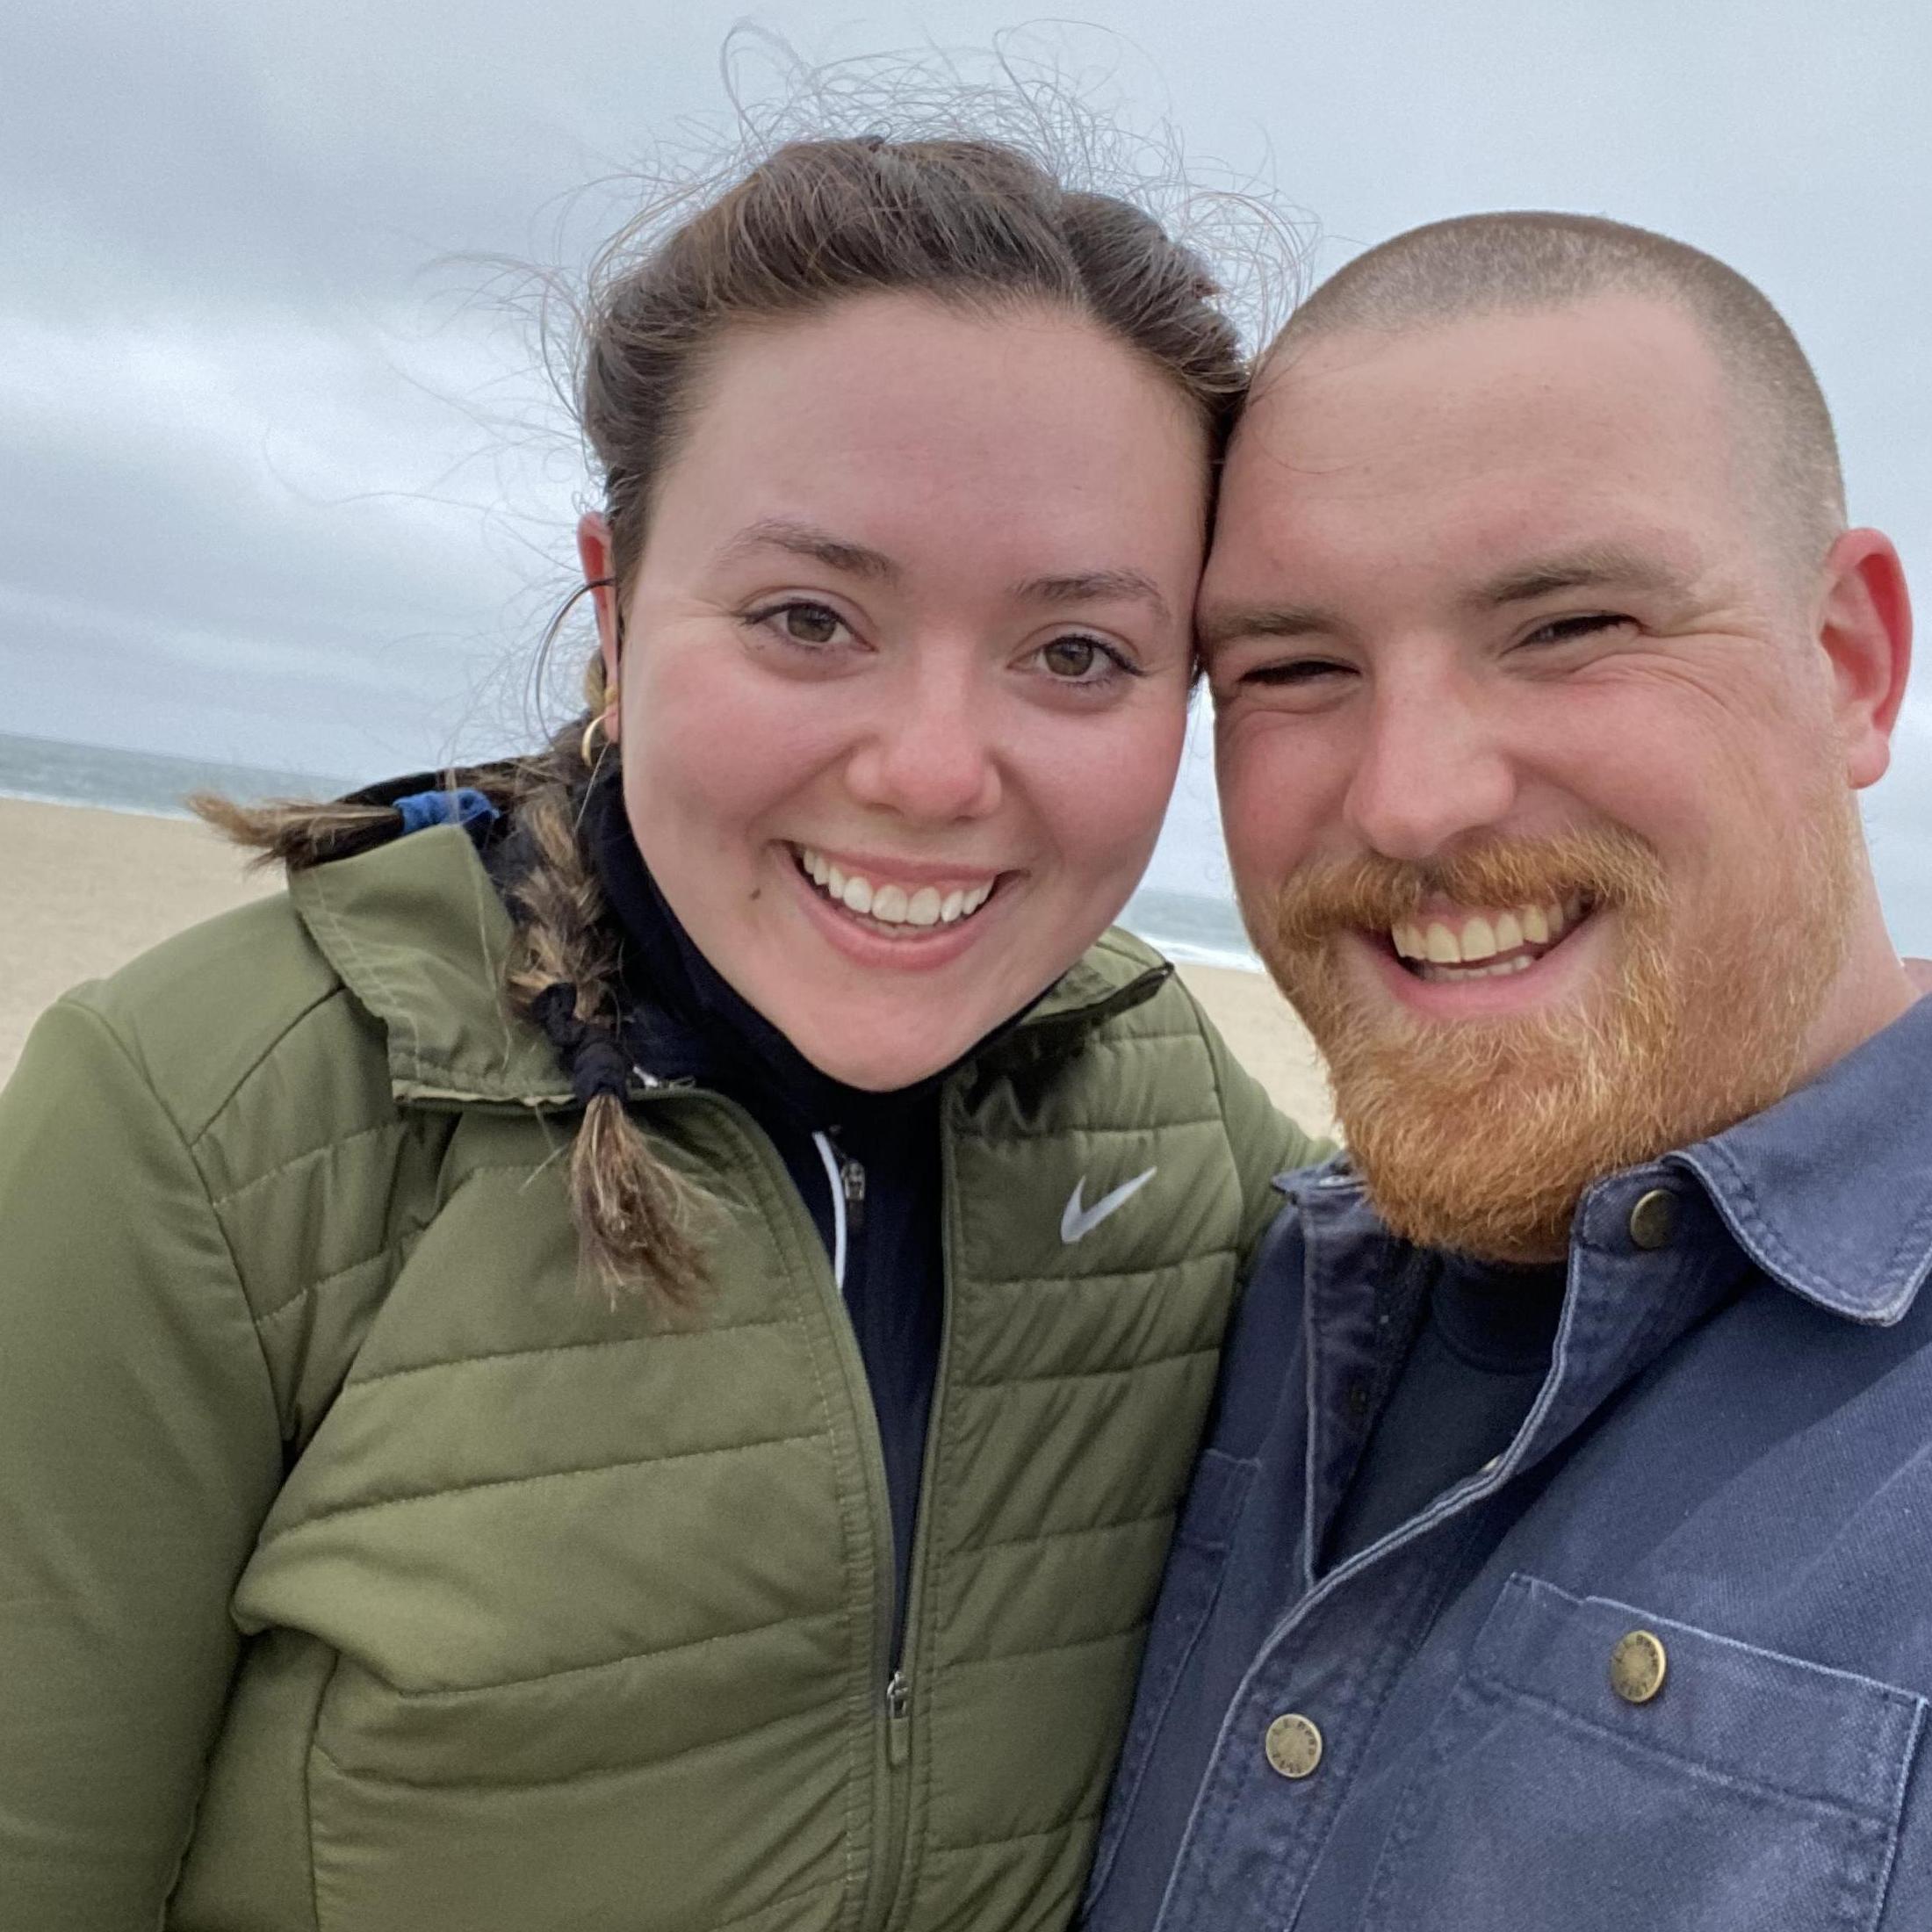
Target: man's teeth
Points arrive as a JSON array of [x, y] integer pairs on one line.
[[893, 905], [1480, 936]]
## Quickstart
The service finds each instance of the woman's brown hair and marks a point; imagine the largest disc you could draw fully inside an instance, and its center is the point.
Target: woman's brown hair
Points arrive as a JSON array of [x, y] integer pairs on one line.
[[970, 223]]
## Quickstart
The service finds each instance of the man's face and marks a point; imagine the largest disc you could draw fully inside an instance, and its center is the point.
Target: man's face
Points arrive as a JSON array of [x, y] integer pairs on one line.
[[1526, 755]]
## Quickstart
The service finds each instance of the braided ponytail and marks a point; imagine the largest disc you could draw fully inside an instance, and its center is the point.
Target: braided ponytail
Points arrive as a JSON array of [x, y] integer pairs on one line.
[[637, 1216], [299, 833]]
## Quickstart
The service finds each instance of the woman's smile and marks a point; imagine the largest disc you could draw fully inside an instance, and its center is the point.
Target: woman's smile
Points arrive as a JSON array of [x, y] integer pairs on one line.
[[885, 916], [896, 894]]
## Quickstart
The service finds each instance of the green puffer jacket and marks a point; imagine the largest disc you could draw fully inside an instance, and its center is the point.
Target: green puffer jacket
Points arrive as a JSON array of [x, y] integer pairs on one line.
[[360, 1571]]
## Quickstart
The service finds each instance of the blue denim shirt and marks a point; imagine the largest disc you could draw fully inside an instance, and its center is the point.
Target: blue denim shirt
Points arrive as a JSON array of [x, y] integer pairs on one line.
[[1730, 1453]]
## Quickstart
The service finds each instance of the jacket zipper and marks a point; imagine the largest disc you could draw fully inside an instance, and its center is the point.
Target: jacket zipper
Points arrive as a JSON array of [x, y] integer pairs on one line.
[[903, 1847], [889, 1886], [846, 1179], [837, 1170], [899, 1717], [885, 1884], [852, 1181]]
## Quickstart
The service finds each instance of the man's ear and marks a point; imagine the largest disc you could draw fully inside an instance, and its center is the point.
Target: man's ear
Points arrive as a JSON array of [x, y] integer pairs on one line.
[[1865, 628], [594, 554]]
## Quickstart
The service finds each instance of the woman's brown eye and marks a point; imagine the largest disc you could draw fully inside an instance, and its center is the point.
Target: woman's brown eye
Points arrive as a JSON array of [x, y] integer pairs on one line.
[[1071, 657], [811, 624]]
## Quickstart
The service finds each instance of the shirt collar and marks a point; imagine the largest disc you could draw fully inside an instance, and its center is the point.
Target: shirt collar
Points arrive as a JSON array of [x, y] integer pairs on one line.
[[1829, 1191]]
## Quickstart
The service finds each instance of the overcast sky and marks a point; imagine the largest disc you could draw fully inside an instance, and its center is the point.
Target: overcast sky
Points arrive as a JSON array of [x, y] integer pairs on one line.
[[281, 482]]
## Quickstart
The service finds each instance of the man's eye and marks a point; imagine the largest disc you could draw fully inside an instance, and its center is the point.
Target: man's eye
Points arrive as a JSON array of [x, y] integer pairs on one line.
[[1563, 629], [1293, 671]]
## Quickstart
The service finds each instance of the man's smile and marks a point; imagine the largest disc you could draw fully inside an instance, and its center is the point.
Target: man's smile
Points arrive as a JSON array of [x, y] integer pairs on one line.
[[1448, 943], [1451, 964]]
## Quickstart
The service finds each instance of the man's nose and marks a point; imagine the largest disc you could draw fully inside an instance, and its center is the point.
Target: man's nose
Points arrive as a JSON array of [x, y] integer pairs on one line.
[[1433, 769], [926, 752]]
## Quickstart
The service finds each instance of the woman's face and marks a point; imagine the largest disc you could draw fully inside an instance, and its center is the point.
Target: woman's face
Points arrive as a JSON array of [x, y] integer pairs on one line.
[[906, 664]]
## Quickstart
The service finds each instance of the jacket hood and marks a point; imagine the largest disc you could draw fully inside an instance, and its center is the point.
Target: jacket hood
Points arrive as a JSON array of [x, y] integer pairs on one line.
[[419, 934]]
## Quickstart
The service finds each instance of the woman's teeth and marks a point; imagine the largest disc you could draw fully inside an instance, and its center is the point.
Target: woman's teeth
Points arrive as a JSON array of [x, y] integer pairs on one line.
[[892, 904], [1463, 945]]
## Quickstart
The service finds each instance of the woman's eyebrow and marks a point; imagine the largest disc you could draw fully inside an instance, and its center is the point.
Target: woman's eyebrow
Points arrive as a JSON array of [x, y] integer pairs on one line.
[[806, 540], [839, 553], [1086, 586]]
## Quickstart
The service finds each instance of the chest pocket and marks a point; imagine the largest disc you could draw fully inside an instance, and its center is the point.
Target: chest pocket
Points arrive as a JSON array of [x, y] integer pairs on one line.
[[1743, 1790]]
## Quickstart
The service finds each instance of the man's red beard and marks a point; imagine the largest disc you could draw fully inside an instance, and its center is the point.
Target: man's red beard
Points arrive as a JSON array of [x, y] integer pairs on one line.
[[1482, 1135]]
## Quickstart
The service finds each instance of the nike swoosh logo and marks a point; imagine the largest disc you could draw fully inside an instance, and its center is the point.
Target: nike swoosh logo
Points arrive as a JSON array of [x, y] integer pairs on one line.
[[1076, 1221]]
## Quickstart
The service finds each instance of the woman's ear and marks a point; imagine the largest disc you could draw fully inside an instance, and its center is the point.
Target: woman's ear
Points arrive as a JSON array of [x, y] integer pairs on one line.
[[1865, 631], [594, 555]]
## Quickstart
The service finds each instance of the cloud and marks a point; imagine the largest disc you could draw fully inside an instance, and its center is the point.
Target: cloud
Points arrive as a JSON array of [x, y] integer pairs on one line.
[[282, 479], [272, 501]]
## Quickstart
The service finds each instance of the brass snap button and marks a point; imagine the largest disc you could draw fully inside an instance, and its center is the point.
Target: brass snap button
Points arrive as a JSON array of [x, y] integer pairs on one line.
[[1294, 1745], [1653, 1218], [1637, 1667]]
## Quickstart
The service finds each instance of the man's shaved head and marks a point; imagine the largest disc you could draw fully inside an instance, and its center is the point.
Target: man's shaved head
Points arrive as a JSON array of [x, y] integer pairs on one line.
[[1480, 264]]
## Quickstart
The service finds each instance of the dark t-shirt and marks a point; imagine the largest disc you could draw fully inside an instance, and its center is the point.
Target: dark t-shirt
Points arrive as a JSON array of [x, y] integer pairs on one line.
[[1479, 1357]]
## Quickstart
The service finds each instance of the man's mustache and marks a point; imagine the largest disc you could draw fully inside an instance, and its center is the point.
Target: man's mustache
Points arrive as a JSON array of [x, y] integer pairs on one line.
[[1607, 866]]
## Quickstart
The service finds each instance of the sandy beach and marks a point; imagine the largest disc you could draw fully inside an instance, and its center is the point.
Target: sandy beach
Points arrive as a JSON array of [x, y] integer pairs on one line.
[[86, 891]]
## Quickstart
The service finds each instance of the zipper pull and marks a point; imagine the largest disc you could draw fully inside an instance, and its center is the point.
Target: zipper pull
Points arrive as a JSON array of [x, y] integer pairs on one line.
[[852, 1177], [898, 1717]]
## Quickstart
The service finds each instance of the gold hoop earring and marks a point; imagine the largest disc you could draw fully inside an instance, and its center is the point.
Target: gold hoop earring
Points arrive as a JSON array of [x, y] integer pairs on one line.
[[587, 746]]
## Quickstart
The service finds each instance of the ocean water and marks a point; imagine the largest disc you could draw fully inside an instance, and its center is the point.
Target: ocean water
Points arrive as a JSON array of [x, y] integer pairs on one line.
[[94, 774], [1184, 926], [1190, 927]]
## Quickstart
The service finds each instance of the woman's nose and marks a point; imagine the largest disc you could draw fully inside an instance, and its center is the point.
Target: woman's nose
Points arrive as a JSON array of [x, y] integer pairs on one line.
[[926, 752]]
